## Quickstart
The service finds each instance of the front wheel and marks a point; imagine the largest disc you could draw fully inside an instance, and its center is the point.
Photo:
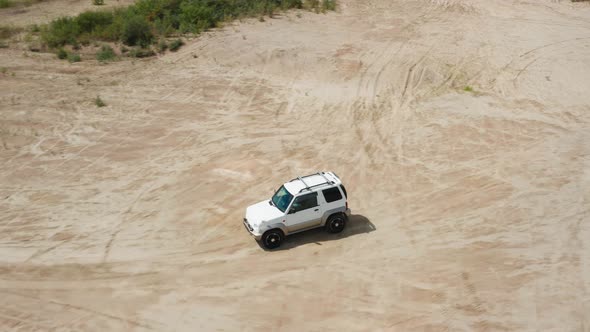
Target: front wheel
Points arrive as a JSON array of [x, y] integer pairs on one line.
[[272, 239], [336, 223]]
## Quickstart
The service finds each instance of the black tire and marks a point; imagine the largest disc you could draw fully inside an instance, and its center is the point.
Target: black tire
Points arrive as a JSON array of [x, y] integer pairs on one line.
[[336, 223], [272, 239]]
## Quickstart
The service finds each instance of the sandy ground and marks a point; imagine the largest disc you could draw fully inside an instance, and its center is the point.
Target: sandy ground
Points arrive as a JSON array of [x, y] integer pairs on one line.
[[471, 208], [47, 10]]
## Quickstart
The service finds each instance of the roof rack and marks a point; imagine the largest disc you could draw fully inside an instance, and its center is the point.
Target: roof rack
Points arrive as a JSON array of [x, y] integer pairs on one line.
[[307, 187], [325, 178], [300, 179]]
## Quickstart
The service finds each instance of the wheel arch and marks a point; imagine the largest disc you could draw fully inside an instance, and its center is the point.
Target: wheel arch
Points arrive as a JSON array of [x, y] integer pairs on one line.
[[331, 212], [278, 226]]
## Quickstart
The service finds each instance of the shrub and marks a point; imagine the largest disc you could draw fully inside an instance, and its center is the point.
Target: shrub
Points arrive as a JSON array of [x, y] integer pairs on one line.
[[106, 53], [176, 44], [196, 16], [468, 89], [166, 25], [137, 31], [98, 2], [99, 102], [141, 23], [162, 46], [141, 53], [286, 4], [61, 31], [74, 57], [6, 3], [328, 5], [92, 21], [311, 4], [62, 54]]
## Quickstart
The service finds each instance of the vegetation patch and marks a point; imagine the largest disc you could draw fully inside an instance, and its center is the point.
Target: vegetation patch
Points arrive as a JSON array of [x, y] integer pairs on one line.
[[72, 57], [99, 102], [106, 53], [176, 44], [320, 5], [62, 54], [7, 31], [141, 53], [17, 3], [162, 46], [6, 3], [146, 22]]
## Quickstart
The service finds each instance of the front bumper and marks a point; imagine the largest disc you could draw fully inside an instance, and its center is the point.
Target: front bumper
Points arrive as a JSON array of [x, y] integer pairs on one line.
[[251, 230]]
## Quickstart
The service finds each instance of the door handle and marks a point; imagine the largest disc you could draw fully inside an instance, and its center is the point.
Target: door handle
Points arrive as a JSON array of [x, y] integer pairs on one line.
[[316, 209]]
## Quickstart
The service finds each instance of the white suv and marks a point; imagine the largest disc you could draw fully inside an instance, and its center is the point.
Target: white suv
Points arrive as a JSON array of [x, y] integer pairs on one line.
[[317, 200]]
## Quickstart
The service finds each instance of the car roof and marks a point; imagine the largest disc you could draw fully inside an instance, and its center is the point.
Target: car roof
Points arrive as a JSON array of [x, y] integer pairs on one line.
[[313, 182]]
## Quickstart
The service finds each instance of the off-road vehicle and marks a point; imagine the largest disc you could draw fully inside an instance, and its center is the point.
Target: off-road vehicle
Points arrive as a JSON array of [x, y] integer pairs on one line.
[[306, 202]]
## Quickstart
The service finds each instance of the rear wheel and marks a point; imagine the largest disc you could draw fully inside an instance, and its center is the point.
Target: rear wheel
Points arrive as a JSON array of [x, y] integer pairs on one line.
[[272, 239], [336, 223]]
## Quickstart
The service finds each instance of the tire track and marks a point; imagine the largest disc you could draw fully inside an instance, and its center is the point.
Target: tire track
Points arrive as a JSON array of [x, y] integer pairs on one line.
[[151, 325], [367, 109]]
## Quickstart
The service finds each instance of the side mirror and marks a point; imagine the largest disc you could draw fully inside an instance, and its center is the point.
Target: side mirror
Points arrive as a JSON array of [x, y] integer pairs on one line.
[[292, 210]]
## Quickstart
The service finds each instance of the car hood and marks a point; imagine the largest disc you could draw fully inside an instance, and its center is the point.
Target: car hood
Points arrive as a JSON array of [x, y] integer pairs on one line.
[[262, 211]]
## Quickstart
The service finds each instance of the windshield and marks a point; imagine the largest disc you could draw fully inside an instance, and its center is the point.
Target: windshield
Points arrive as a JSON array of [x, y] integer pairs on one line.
[[282, 198]]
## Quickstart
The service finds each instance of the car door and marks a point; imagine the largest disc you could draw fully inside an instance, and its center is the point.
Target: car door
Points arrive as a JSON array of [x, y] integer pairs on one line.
[[304, 212]]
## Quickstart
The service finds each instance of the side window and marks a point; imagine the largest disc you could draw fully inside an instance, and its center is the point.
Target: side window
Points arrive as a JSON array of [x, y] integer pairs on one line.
[[332, 194], [305, 202]]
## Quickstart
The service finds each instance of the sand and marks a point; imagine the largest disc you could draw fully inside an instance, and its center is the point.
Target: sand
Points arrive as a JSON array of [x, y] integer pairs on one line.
[[461, 130]]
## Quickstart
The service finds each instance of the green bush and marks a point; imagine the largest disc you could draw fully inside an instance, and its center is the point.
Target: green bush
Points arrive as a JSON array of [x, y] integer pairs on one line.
[[98, 2], [61, 31], [329, 5], [6, 3], [196, 16], [176, 44], [92, 21], [62, 54], [146, 21], [74, 57], [137, 31], [106, 53]]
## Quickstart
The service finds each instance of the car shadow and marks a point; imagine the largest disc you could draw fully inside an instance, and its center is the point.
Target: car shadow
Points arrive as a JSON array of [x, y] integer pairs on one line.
[[357, 224]]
